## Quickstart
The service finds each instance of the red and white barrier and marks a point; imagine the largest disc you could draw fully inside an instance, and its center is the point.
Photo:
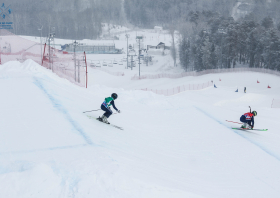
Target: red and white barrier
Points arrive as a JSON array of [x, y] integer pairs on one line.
[[209, 71], [176, 90], [15, 48]]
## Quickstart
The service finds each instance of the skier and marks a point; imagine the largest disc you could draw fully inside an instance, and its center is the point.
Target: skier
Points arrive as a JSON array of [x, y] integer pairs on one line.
[[248, 120], [105, 106]]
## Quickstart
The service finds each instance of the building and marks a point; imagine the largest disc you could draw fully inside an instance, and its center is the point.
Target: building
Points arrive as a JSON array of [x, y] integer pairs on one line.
[[159, 46], [158, 29], [93, 49]]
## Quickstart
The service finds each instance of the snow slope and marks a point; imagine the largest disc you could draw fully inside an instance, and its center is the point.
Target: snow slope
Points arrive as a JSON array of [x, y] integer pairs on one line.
[[178, 146]]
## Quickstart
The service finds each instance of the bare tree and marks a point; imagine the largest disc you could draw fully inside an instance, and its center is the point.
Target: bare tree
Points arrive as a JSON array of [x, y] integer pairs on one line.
[[173, 46]]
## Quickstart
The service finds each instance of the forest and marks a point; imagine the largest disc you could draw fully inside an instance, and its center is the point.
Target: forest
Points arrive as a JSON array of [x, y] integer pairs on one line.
[[72, 19], [211, 37], [225, 43]]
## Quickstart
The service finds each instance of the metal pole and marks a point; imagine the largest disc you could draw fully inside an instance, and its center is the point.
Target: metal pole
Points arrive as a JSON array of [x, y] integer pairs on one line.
[[127, 53], [131, 62], [78, 71], [41, 44], [127, 36], [44, 53], [50, 52], [0, 54], [139, 58], [139, 39], [86, 68], [75, 58], [41, 41]]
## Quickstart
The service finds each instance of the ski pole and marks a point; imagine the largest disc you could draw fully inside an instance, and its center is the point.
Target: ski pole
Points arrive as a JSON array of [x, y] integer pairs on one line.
[[92, 110], [234, 122]]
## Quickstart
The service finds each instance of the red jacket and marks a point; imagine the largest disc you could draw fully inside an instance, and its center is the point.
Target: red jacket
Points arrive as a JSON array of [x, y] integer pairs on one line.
[[248, 116]]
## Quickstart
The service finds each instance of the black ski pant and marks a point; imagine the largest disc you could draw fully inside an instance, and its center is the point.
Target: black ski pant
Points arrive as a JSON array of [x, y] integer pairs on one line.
[[108, 111], [243, 119]]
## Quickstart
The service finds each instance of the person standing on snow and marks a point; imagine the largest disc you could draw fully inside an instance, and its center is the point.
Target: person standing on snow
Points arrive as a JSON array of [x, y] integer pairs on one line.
[[248, 120], [105, 106]]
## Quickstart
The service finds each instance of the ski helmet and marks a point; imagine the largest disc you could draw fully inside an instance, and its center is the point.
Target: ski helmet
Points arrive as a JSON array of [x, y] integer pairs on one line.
[[255, 113], [114, 95]]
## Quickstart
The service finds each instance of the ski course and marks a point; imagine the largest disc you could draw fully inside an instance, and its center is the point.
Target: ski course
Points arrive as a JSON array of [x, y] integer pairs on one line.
[[177, 146]]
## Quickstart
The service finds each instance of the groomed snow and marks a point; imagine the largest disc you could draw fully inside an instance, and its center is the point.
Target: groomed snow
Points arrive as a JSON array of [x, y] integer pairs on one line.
[[178, 146]]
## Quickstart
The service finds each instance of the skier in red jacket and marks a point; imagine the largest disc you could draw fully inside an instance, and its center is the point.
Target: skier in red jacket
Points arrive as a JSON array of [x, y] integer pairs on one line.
[[248, 120]]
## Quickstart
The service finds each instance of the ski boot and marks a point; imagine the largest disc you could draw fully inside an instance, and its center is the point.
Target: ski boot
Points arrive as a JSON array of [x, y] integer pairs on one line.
[[100, 119], [246, 126], [104, 119]]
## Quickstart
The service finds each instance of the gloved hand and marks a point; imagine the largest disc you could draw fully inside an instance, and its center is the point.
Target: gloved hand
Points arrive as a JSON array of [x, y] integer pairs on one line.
[[119, 111]]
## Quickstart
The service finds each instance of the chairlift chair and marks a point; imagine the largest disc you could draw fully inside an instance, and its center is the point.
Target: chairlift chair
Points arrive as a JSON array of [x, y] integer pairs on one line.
[[98, 64], [92, 64]]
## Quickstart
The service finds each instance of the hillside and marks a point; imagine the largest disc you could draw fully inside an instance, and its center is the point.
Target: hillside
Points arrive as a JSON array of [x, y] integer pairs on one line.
[[177, 146]]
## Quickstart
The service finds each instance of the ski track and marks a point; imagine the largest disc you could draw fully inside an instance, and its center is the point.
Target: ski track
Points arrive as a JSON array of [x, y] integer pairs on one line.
[[46, 149], [271, 153], [59, 107]]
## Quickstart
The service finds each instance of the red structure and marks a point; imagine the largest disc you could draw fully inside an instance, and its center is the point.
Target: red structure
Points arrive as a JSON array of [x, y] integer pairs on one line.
[[16, 48]]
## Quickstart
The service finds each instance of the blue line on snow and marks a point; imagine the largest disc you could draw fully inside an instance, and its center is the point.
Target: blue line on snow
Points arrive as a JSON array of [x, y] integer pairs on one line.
[[240, 134], [59, 107]]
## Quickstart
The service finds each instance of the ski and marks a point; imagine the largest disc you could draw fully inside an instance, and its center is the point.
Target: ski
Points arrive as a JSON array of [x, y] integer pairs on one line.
[[250, 129], [91, 117]]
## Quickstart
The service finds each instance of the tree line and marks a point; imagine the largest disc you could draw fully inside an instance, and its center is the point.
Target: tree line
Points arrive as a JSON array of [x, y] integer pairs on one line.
[[147, 13], [72, 19], [210, 36], [210, 41]]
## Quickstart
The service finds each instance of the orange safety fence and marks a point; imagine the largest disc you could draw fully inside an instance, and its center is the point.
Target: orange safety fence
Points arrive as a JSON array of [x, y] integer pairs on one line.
[[179, 89], [68, 66], [209, 71]]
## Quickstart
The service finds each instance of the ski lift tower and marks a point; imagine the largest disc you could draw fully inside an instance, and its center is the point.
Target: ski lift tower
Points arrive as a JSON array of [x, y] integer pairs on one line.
[[40, 29], [75, 44], [139, 38], [127, 37], [51, 39], [131, 54]]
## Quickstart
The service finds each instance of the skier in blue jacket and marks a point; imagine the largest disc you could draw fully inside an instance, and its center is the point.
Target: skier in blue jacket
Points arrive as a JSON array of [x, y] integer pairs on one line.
[[105, 106], [248, 119]]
